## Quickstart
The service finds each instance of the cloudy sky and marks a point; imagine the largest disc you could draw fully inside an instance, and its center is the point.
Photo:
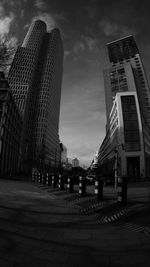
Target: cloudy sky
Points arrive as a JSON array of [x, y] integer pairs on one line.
[[86, 26]]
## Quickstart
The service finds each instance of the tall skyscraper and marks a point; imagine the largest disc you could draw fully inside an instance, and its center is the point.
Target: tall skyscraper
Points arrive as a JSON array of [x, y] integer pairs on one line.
[[35, 79], [126, 146], [10, 130], [126, 74]]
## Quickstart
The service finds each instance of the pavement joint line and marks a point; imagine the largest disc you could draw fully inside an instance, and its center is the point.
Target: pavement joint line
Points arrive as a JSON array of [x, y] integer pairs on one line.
[[111, 218], [92, 207], [135, 228]]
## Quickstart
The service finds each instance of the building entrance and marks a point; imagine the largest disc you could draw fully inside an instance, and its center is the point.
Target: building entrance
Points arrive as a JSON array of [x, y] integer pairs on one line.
[[133, 168]]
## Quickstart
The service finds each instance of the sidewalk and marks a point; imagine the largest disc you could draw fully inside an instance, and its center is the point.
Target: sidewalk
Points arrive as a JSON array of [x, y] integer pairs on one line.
[[39, 228]]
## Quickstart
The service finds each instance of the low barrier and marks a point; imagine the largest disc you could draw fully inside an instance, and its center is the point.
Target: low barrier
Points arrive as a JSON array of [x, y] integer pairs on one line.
[[42, 177], [61, 182], [82, 186], [36, 176], [122, 190], [48, 179], [70, 184], [99, 188], [54, 181], [39, 178], [33, 176]]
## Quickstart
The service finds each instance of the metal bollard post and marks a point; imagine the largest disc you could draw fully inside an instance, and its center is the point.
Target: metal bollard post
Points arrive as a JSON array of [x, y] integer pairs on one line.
[[36, 177], [39, 177], [54, 181], [119, 189], [122, 190], [33, 177], [82, 186], [99, 188], [70, 184], [42, 175], [61, 182], [47, 179], [43, 178]]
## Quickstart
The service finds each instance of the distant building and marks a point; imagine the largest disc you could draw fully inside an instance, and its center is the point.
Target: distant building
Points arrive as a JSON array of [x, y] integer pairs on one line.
[[94, 164], [69, 160], [126, 146], [75, 162], [63, 151], [10, 130], [68, 165], [35, 79]]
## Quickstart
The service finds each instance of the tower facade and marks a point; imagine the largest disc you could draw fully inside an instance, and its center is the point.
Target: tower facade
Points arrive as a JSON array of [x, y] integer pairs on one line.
[[126, 146], [126, 71], [35, 79], [10, 130], [75, 162]]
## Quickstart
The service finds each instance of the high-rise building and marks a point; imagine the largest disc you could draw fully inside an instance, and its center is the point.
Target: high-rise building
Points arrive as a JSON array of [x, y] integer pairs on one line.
[[10, 130], [126, 74], [126, 146], [35, 78], [63, 151]]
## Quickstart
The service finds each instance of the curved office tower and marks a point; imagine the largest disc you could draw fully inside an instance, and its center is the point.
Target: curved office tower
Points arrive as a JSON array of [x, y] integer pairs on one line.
[[35, 78], [34, 35]]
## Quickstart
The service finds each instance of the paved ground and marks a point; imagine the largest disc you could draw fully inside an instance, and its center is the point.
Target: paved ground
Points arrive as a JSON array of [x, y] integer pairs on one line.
[[39, 228]]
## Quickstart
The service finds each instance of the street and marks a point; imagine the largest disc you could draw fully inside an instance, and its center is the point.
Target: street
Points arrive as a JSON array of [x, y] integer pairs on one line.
[[40, 227]]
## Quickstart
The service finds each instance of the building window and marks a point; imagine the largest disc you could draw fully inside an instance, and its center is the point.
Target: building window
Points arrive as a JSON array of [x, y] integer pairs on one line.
[[131, 126]]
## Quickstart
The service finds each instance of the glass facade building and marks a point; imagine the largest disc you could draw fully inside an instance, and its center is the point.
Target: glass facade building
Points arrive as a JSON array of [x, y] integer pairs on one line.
[[10, 130], [127, 97], [35, 78]]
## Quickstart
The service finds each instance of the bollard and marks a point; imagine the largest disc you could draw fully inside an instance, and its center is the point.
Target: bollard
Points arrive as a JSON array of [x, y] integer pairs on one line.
[[36, 177], [42, 175], [61, 182], [33, 176], [43, 178], [82, 186], [99, 188], [47, 179], [70, 184], [39, 177], [122, 190], [54, 180]]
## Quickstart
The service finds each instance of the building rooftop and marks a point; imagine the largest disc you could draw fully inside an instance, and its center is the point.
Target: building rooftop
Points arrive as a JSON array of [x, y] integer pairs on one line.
[[122, 49]]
